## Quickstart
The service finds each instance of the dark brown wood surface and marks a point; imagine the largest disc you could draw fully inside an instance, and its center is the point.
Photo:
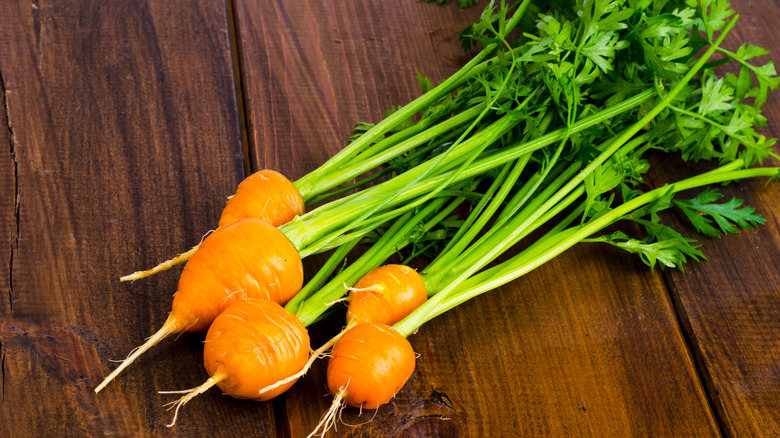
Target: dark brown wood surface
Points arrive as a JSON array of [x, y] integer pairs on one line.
[[128, 123], [125, 139]]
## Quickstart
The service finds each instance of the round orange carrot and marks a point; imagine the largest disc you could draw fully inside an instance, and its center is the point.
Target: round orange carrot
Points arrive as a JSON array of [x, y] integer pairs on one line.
[[246, 259], [386, 295], [266, 195], [255, 343], [367, 367], [369, 364], [249, 345]]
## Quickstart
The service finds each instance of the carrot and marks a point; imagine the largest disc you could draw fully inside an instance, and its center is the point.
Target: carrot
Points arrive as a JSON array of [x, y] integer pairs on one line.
[[265, 195], [249, 336], [246, 259], [368, 365], [370, 376], [386, 295]]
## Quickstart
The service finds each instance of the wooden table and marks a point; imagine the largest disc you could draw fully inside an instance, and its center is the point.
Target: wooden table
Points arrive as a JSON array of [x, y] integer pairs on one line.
[[127, 123]]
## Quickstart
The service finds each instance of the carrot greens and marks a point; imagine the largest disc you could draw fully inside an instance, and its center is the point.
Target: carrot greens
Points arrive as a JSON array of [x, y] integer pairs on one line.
[[576, 105], [702, 117]]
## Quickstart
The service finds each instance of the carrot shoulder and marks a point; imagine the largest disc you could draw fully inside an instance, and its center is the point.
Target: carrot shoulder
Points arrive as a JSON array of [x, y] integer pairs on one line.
[[266, 195], [386, 295]]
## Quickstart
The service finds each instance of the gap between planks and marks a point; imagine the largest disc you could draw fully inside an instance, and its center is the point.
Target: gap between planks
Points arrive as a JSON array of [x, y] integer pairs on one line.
[[693, 349], [236, 49], [251, 164]]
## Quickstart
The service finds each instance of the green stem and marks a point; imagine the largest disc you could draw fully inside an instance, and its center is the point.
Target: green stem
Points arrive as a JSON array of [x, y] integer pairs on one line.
[[303, 230], [322, 275], [387, 153], [480, 216], [415, 157], [341, 215], [553, 245], [395, 238]]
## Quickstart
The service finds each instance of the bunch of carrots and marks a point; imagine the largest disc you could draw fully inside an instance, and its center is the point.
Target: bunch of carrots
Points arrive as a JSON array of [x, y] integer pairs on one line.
[[547, 132]]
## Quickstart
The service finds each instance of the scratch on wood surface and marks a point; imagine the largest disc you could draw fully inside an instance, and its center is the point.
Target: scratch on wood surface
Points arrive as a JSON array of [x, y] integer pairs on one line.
[[15, 238], [2, 371], [36, 22]]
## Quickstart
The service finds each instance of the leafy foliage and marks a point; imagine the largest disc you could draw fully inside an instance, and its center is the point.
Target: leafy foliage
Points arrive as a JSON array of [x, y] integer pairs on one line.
[[667, 248], [582, 58], [728, 216]]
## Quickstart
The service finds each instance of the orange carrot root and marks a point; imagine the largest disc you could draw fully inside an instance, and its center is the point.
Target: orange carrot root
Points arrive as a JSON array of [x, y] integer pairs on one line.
[[316, 354], [259, 344], [386, 295], [164, 266], [375, 360]]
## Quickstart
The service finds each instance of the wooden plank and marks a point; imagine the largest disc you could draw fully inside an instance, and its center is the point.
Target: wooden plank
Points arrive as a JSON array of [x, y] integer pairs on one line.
[[8, 225], [730, 309], [593, 350], [311, 70], [126, 131], [730, 305]]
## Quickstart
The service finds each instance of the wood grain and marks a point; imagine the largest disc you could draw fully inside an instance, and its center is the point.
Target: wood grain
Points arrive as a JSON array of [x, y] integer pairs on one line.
[[121, 134], [126, 140], [730, 305], [8, 223], [311, 70]]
